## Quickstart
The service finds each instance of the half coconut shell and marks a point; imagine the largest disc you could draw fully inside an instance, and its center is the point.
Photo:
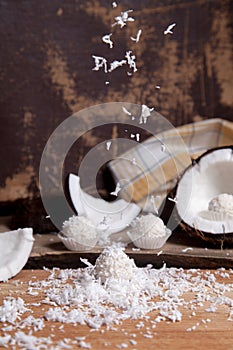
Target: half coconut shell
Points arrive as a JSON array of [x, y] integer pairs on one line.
[[209, 176]]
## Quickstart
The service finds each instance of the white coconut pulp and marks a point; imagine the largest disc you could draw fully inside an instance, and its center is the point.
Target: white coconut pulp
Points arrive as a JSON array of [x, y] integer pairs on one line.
[[108, 217], [15, 248], [211, 180]]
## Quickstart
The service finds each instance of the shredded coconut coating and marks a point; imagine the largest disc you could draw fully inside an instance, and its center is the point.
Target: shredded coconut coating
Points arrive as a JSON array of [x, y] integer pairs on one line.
[[222, 203], [114, 263], [78, 227], [149, 225]]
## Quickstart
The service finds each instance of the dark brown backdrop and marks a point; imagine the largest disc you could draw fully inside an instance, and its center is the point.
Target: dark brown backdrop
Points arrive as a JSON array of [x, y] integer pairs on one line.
[[46, 72]]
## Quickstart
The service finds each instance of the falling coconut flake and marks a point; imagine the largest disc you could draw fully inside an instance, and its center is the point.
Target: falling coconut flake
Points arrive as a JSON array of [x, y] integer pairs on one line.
[[137, 37], [108, 145], [100, 62], [169, 29], [107, 40], [173, 199], [123, 19], [163, 147], [126, 111], [116, 64], [114, 4], [117, 190], [145, 113], [131, 60], [152, 199]]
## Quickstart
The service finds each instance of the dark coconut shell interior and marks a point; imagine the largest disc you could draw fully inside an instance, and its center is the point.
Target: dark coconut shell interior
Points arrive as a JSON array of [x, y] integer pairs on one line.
[[169, 209]]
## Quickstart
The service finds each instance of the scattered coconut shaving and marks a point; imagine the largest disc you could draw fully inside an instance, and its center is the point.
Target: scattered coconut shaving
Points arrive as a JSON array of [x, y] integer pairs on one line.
[[106, 294]]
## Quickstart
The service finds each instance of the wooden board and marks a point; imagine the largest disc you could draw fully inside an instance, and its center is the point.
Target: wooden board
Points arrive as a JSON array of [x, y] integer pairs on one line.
[[216, 334], [179, 251]]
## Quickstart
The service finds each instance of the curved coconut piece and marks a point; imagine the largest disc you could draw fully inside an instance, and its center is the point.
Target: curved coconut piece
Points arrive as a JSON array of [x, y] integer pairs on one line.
[[15, 248], [210, 176], [110, 217]]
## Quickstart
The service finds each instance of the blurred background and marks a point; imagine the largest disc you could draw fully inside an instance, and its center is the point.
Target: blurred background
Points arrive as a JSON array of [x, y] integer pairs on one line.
[[46, 75]]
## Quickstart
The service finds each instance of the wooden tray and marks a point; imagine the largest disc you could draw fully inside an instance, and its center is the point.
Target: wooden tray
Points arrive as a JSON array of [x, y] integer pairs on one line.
[[179, 251]]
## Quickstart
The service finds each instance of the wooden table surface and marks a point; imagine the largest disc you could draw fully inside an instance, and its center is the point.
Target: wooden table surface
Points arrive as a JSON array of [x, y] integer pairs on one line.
[[206, 330]]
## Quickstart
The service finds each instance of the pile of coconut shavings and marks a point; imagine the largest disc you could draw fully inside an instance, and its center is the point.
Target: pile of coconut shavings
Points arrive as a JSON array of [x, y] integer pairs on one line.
[[78, 297]]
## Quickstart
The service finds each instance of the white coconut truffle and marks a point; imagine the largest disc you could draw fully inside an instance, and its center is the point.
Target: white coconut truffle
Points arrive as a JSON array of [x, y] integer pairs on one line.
[[78, 233], [114, 263], [223, 203], [78, 227], [149, 232]]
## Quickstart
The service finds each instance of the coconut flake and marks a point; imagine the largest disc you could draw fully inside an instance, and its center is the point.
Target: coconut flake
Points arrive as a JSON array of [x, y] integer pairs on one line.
[[108, 145], [169, 29], [116, 64], [12, 309], [137, 36], [5, 340], [117, 189], [131, 60], [107, 40], [125, 110], [100, 62], [123, 18], [145, 113]]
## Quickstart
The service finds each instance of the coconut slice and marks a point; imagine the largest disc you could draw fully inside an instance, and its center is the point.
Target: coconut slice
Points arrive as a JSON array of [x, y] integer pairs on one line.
[[110, 217], [207, 207], [15, 248]]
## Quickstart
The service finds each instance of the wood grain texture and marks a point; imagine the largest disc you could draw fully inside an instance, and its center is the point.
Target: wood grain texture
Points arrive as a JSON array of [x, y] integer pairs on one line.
[[216, 334], [46, 74], [179, 251]]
